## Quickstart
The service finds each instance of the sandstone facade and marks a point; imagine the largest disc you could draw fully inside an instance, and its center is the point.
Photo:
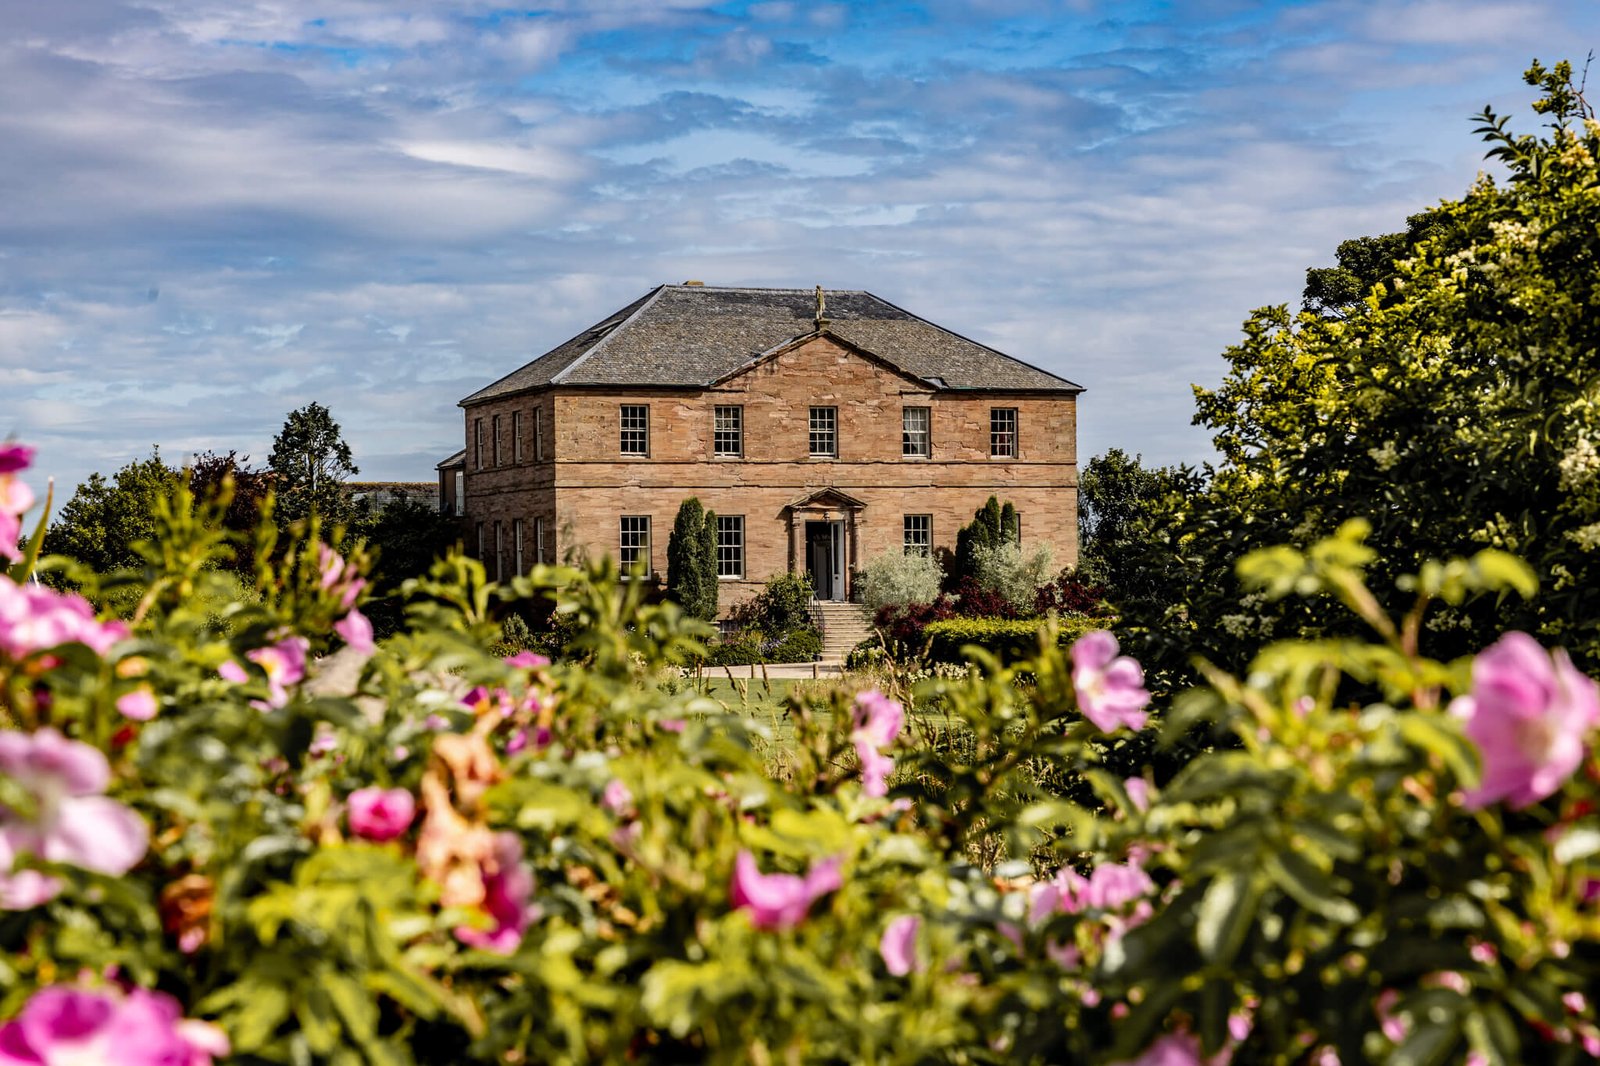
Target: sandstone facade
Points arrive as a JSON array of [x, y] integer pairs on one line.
[[549, 475]]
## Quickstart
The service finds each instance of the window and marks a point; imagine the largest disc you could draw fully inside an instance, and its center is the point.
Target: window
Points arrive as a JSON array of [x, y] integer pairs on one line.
[[635, 543], [477, 444], [730, 545], [461, 492], [635, 429], [481, 557], [919, 534], [516, 436], [914, 431], [499, 556], [494, 439], [825, 432], [1003, 432], [728, 432], [516, 542], [538, 537], [538, 435]]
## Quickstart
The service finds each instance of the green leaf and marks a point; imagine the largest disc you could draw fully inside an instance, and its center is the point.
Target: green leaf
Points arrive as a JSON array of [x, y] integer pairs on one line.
[[1310, 887], [1225, 915]]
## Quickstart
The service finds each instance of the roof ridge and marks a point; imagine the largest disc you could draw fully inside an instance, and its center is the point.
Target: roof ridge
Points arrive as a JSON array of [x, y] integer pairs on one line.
[[559, 378], [758, 288], [980, 344]]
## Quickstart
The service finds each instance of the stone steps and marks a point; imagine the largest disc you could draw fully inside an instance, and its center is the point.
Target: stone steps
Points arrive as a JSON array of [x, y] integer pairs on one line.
[[843, 626]]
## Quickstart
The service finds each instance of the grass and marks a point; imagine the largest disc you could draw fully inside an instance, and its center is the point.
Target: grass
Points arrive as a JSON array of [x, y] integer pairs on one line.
[[765, 701]]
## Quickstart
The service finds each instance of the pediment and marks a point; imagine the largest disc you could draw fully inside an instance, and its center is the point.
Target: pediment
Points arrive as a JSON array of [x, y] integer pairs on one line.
[[827, 499], [825, 333]]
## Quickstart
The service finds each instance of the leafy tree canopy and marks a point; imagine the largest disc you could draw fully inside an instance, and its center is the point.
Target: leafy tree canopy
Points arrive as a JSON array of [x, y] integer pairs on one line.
[[311, 461], [105, 517], [1455, 406]]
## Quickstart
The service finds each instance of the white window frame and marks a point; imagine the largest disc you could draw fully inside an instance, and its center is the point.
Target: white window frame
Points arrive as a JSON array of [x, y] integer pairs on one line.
[[823, 427], [633, 439], [494, 439], [730, 547], [477, 443], [1003, 442], [623, 547], [516, 543], [735, 412], [911, 435], [516, 436], [538, 435], [538, 539], [917, 534], [499, 554]]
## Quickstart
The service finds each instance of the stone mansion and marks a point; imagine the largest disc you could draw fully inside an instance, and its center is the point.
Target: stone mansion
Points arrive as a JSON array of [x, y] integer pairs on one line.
[[822, 427]]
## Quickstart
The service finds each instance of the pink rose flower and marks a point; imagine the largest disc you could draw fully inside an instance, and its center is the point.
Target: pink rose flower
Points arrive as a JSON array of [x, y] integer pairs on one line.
[[616, 796], [1528, 715], [36, 618], [508, 892], [65, 1026], [140, 704], [878, 721], [780, 901], [284, 663], [1110, 687], [72, 822], [898, 945], [380, 814], [356, 631], [15, 457], [527, 660]]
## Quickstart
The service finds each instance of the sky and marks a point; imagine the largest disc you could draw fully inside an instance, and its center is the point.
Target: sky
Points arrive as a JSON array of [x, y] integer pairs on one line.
[[213, 212]]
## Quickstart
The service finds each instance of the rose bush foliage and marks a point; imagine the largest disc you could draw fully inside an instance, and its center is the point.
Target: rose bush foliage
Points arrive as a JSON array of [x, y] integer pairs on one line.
[[310, 849]]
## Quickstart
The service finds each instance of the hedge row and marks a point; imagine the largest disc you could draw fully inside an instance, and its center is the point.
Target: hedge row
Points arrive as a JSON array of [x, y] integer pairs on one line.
[[1009, 639]]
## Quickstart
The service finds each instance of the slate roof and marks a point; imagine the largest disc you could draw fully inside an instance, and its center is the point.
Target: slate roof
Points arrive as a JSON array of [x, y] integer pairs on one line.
[[688, 336]]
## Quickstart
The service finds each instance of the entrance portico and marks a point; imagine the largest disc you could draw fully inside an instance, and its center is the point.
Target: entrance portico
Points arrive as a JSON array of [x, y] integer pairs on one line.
[[824, 540]]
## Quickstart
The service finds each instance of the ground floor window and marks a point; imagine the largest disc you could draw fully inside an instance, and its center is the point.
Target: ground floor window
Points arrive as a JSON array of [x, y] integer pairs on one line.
[[538, 540], [730, 545], [634, 547], [516, 541], [919, 534]]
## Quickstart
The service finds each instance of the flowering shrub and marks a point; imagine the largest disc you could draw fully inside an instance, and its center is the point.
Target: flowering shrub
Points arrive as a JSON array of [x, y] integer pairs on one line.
[[303, 848]]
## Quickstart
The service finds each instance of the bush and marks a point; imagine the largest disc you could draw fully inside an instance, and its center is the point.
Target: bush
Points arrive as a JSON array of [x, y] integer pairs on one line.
[[1069, 593], [800, 646], [896, 578], [1008, 639], [744, 649], [1011, 573]]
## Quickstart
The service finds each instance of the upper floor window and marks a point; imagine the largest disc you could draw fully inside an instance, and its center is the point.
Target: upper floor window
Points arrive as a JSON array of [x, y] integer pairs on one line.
[[825, 432], [914, 437], [635, 429], [538, 435], [727, 438], [919, 534], [516, 436], [634, 546], [477, 444], [730, 545], [494, 439], [1003, 432]]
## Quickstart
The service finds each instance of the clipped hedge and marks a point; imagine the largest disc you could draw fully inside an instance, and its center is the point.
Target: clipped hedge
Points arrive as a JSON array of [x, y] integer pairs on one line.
[[1009, 639]]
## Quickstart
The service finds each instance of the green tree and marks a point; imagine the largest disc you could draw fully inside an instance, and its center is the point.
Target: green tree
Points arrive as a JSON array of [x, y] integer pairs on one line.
[[1122, 504], [986, 530], [104, 518], [1455, 408], [692, 560], [408, 536], [310, 462]]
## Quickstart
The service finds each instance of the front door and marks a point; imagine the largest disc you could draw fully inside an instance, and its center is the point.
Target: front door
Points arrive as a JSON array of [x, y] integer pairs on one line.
[[825, 559]]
